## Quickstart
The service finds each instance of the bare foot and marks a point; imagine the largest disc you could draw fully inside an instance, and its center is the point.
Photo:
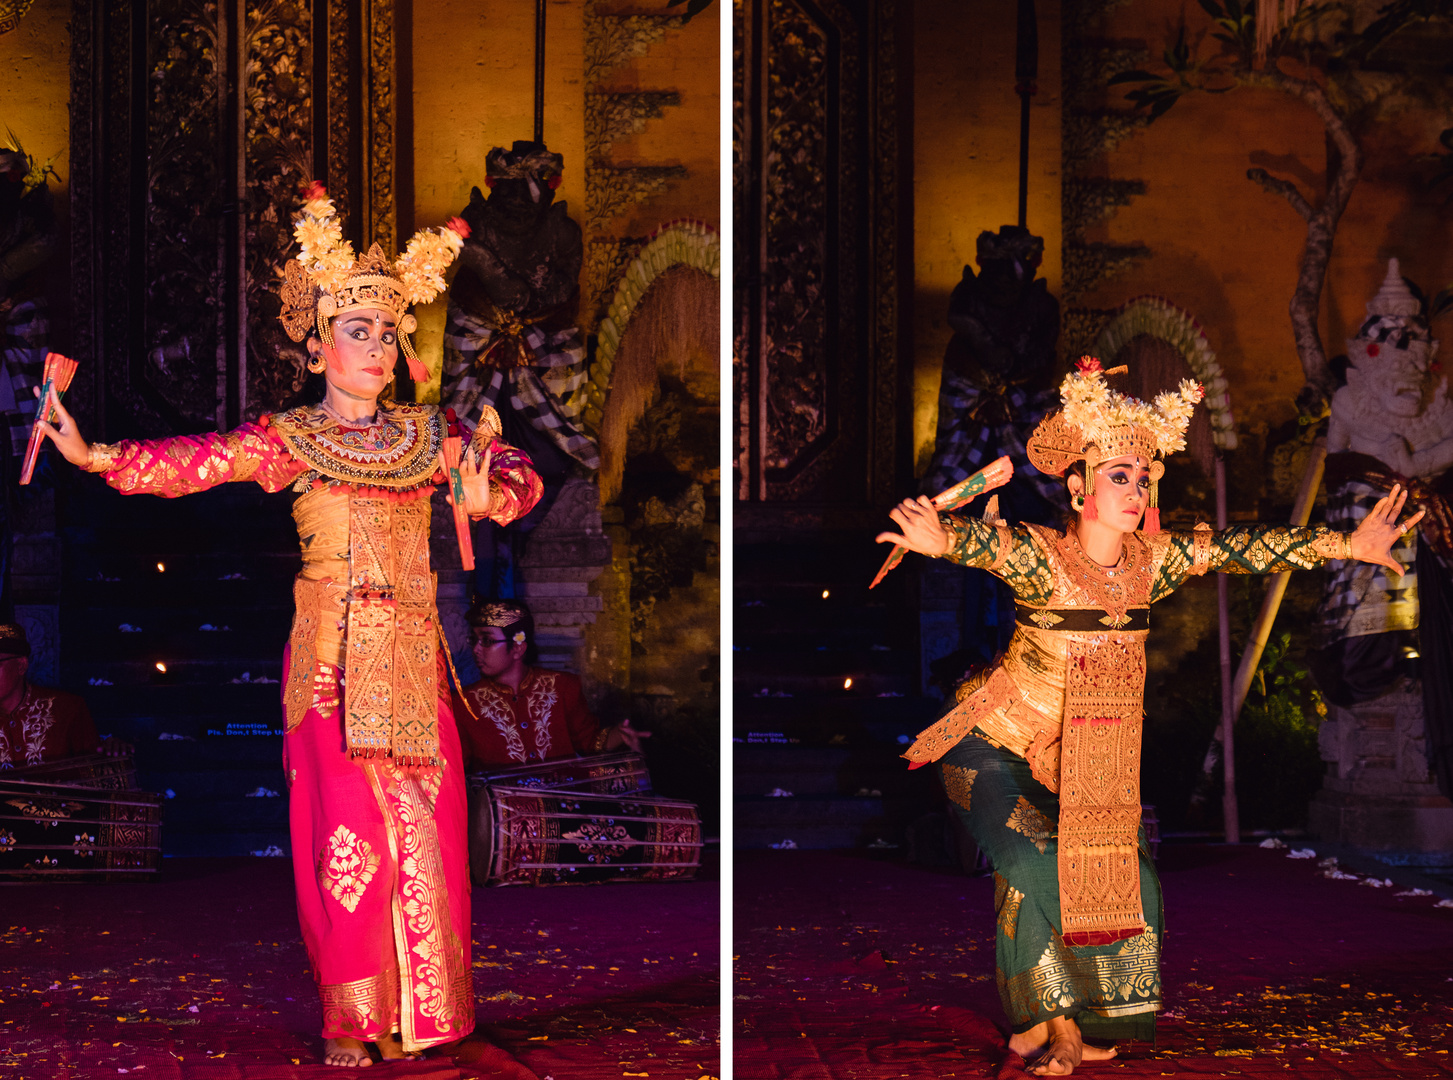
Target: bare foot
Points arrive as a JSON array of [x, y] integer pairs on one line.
[[391, 1048], [1062, 1052], [349, 1053], [1038, 1048], [1029, 1044]]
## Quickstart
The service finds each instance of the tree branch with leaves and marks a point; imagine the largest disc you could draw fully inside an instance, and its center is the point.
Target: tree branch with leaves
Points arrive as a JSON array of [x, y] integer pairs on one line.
[[1316, 57]]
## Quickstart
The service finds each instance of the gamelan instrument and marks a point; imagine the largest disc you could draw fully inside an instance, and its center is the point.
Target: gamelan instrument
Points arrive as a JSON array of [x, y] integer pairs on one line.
[[74, 832], [577, 821], [599, 774], [89, 770]]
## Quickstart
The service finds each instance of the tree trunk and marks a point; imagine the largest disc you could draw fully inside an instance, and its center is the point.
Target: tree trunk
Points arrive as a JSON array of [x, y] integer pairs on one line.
[[1344, 163]]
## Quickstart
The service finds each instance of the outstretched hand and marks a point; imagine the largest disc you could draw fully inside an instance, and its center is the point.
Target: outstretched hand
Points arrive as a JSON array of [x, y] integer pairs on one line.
[[64, 433], [474, 471], [918, 518], [1379, 530]]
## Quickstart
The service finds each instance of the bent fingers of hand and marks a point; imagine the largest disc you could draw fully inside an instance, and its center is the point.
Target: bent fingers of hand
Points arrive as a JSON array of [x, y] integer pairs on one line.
[[893, 538]]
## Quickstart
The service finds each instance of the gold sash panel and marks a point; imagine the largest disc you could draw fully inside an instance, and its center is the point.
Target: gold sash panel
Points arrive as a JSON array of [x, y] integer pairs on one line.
[[1099, 816], [390, 696], [382, 628]]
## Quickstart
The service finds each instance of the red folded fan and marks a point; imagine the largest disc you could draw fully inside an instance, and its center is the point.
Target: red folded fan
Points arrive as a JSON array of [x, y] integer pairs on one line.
[[453, 451], [57, 373]]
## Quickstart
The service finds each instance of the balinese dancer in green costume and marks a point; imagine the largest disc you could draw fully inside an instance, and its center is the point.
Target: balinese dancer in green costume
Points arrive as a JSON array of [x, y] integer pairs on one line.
[[1041, 753]]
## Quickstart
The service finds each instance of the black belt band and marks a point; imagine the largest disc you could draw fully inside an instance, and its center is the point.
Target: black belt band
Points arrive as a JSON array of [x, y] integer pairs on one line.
[[1080, 620]]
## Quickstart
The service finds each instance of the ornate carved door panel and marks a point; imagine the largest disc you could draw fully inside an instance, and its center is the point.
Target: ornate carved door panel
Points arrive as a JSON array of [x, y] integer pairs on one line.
[[822, 244], [192, 124]]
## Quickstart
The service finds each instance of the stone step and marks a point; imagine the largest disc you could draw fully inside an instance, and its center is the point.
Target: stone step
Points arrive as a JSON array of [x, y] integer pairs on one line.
[[846, 710], [752, 685], [822, 661], [814, 822]]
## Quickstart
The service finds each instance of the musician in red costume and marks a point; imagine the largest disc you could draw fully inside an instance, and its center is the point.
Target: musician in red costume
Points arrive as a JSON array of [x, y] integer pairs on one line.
[[519, 714], [373, 760], [38, 724]]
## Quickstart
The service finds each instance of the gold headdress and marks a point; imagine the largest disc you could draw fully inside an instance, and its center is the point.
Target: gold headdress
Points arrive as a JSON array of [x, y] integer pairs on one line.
[[327, 279], [1098, 424], [13, 641], [497, 614]]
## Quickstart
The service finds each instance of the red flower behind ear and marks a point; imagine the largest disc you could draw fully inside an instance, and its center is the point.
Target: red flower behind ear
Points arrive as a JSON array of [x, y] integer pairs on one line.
[[489, 181], [313, 190], [555, 181], [1087, 364], [459, 225]]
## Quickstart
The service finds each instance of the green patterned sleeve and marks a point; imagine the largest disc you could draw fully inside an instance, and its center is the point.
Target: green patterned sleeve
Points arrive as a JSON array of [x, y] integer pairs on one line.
[[1008, 552], [1246, 549]]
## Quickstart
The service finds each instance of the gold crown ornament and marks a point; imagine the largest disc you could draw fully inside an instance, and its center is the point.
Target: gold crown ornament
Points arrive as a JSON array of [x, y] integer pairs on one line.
[[500, 615], [1097, 424], [327, 279]]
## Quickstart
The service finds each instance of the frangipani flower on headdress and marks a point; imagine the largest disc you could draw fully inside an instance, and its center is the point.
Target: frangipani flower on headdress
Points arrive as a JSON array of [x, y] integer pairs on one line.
[[1098, 424], [1106, 418], [328, 279]]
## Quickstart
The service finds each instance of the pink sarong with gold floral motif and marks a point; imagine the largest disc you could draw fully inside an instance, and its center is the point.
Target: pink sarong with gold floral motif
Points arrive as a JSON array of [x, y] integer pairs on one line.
[[380, 862]]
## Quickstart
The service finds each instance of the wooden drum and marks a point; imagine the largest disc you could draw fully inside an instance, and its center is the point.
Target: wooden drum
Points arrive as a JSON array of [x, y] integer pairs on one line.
[[525, 836], [599, 774], [74, 832]]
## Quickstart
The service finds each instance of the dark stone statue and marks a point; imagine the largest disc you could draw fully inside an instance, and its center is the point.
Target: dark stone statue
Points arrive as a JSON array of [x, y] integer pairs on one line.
[[1005, 322], [512, 342], [996, 387]]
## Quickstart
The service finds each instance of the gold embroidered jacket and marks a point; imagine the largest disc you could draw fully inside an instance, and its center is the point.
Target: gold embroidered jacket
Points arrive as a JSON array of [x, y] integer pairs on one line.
[[365, 596], [1068, 694]]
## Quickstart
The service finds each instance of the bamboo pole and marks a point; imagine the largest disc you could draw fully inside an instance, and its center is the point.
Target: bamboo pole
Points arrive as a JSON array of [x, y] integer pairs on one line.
[[1223, 612], [1260, 631]]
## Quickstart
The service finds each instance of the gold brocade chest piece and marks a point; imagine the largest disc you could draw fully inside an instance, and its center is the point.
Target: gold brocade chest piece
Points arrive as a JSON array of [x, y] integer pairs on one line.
[[1084, 583], [399, 451]]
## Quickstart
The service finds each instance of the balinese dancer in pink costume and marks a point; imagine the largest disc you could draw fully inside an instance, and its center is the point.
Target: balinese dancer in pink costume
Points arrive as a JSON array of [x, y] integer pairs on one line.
[[373, 759]]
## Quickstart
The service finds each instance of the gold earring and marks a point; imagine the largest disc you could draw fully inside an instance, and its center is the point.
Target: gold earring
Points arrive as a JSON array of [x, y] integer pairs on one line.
[[317, 365]]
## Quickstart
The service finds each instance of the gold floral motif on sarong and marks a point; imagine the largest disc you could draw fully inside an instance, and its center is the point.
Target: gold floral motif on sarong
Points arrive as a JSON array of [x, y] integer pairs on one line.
[[1121, 983], [1006, 902], [438, 985], [345, 867], [959, 783], [362, 1009], [1027, 820]]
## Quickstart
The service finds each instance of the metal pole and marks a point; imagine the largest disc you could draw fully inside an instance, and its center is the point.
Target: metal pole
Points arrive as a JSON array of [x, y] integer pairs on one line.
[[1276, 589], [539, 71], [1026, 72]]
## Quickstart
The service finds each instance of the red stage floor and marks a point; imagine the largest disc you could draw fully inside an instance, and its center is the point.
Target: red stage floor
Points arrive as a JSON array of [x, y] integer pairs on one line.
[[202, 976], [858, 969]]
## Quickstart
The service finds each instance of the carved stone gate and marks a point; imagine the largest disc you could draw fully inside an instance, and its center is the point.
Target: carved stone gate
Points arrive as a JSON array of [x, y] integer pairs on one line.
[[192, 125], [823, 260]]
